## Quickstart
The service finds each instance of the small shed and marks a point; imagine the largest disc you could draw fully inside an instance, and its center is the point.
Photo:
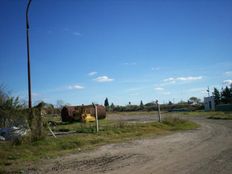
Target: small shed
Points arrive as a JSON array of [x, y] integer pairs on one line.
[[209, 103]]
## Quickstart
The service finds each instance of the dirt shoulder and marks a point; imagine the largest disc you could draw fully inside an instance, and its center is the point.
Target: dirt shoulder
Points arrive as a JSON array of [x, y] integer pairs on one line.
[[205, 150]]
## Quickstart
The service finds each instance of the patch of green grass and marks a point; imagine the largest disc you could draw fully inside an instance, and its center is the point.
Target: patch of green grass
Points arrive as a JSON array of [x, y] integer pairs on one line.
[[210, 115], [204, 113], [179, 124], [80, 127], [133, 113], [12, 156], [221, 116]]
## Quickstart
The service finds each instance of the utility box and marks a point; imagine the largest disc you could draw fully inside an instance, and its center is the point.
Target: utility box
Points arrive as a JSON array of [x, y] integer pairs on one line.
[[209, 103]]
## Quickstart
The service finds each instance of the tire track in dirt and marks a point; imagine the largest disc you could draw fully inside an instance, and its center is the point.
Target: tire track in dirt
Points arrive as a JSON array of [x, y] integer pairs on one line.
[[207, 150]]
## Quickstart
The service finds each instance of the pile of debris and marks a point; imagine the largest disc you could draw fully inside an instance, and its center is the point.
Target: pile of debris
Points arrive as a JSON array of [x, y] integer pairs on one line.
[[82, 113], [12, 133]]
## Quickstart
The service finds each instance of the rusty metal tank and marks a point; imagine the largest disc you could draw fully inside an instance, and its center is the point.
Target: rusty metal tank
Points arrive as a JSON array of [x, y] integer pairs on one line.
[[74, 113]]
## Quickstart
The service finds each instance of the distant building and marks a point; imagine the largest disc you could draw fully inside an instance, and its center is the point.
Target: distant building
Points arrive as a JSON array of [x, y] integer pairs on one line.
[[209, 103]]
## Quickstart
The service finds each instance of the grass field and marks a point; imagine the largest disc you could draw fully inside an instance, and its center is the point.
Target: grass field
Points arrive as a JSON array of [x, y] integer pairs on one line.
[[15, 156], [211, 115]]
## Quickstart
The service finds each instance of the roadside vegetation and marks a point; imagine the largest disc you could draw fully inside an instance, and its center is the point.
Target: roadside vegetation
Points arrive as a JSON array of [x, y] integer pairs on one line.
[[85, 137], [210, 115], [73, 137], [221, 116]]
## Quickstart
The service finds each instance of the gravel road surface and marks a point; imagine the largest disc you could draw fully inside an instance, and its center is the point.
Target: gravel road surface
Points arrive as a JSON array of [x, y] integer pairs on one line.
[[206, 150]]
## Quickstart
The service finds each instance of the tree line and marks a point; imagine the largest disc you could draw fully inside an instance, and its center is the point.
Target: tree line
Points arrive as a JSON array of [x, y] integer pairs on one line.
[[192, 104], [224, 96]]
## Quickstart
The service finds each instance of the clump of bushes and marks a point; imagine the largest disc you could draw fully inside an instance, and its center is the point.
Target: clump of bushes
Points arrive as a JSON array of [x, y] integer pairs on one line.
[[14, 114]]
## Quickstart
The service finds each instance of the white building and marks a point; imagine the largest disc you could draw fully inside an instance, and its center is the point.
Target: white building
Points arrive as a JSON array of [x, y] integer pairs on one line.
[[209, 103]]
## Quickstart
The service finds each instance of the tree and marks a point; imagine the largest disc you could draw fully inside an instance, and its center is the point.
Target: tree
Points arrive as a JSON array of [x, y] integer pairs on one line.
[[194, 100], [112, 107], [226, 95], [10, 109], [217, 96], [182, 102], [7, 102], [141, 105], [231, 92], [106, 103]]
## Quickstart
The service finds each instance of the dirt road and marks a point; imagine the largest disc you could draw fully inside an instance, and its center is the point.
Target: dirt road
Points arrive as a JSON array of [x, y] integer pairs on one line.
[[207, 150]]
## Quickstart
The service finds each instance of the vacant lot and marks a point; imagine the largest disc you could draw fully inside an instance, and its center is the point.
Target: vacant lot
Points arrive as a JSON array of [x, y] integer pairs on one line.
[[207, 149], [79, 137]]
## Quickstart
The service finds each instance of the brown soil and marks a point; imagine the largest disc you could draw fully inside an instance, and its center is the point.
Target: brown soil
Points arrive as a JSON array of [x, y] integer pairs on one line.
[[206, 150]]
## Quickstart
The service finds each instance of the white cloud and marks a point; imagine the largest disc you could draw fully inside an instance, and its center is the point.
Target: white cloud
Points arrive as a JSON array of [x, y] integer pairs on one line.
[[92, 73], [227, 82], [129, 63], [75, 87], [159, 89], [228, 73], [76, 33], [189, 78], [103, 79], [169, 79]]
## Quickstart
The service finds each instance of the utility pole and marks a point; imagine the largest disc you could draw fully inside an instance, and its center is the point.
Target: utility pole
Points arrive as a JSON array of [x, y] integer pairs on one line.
[[208, 91], [96, 114], [28, 57], [158, 106]]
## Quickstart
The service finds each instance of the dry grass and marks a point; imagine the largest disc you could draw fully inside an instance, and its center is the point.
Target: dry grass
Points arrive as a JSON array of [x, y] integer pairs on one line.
[[14, 156]]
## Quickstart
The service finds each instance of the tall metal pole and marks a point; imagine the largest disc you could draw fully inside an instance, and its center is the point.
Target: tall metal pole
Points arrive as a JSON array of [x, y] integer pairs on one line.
[[28, 58]]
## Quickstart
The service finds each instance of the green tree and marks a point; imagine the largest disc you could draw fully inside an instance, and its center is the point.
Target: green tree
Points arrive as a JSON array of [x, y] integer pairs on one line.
[[194, 100], [231, 93], [7, 102], [217, 96], [106, 103], [112, 107], [141, 105], [10, 107], [226, 95]]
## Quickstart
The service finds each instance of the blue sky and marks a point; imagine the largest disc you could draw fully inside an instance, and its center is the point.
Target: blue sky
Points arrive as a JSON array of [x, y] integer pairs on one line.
[[83, 51]]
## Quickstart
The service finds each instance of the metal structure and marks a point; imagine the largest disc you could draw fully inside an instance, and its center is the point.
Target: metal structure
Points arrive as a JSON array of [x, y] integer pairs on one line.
[[28, 57], [76, 113], [209, 103]]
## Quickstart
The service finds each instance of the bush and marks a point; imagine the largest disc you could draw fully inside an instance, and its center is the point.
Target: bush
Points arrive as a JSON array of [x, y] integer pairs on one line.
[[14, 114], [11, 110], [172, 121]]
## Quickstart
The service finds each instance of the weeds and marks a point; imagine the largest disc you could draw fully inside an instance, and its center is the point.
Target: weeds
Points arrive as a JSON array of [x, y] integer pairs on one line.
[[12, 156], [176, 123]]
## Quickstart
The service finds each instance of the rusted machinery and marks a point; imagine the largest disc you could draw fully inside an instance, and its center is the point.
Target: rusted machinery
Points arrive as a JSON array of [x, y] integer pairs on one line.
[[82, 113]]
